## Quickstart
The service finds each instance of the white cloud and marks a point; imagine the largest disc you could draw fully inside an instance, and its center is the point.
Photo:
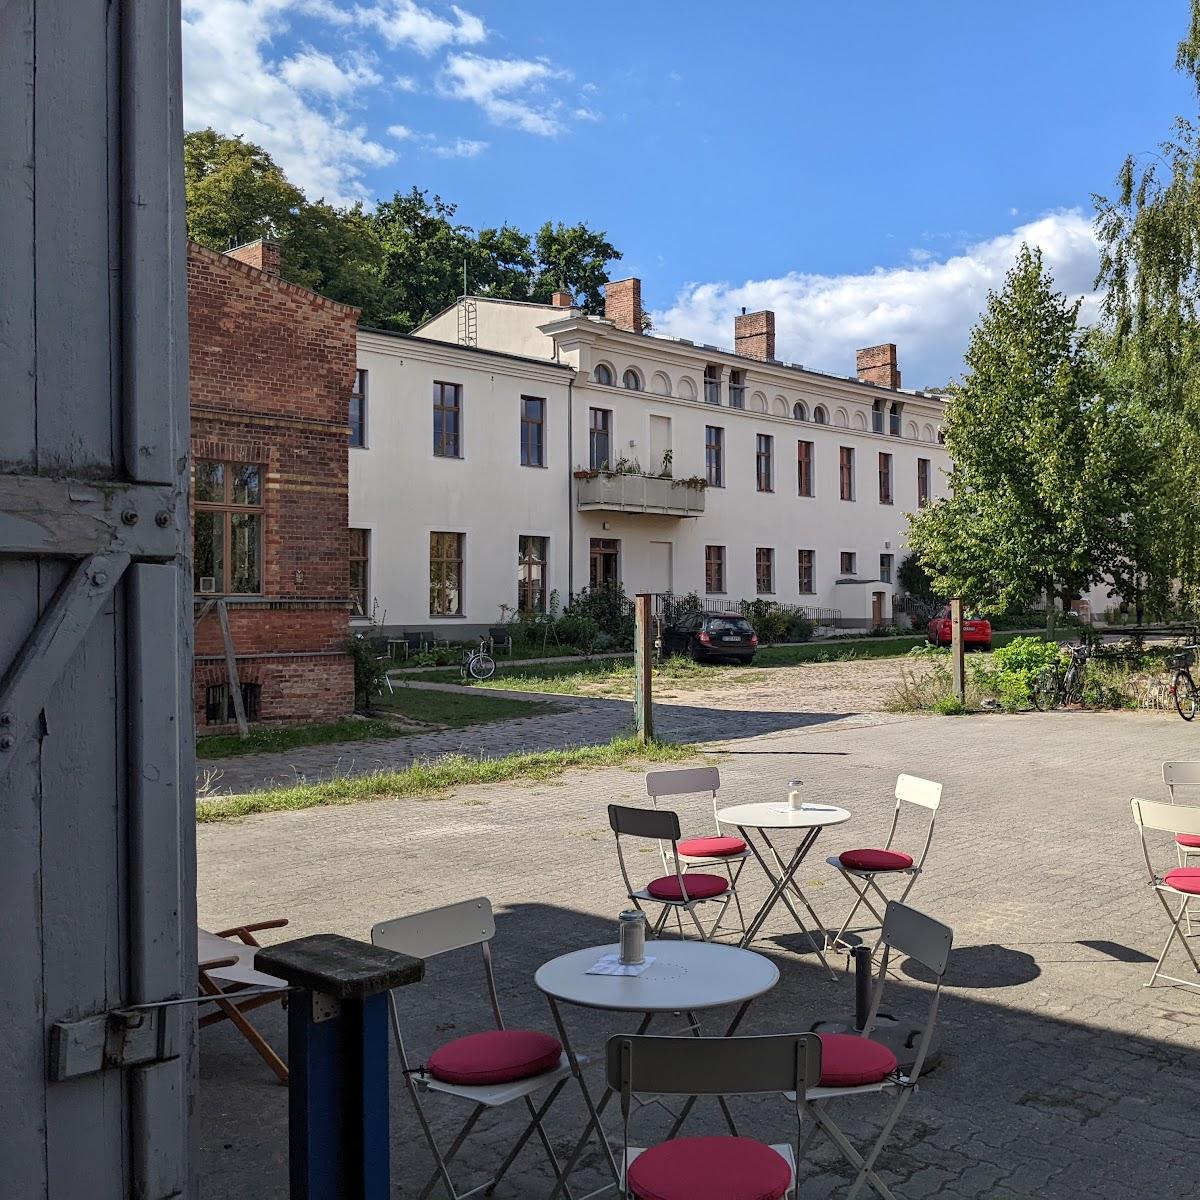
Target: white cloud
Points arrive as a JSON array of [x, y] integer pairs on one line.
[[404, 83], [585, 114], [926, 309], [460, 148], [401, 133], [491, 82], [313, 71], [405, 23]]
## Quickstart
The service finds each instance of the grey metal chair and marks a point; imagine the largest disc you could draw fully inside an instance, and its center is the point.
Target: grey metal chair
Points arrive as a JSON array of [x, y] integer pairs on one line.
[[698, 1168], [498, 635]]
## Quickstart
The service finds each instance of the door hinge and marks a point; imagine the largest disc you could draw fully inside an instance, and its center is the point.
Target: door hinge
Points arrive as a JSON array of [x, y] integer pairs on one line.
[[124, 1037]]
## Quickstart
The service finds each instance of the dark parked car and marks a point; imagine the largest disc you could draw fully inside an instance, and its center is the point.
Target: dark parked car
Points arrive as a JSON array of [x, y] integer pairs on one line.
[[711, 636]]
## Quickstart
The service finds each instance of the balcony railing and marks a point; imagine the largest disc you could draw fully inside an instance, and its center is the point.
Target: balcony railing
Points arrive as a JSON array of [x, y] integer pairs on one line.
[[638, 494]]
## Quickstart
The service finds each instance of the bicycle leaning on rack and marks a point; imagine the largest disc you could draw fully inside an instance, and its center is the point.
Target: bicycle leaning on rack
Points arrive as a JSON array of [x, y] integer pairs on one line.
[[1057, 684], [477, 662], [1183, 686]]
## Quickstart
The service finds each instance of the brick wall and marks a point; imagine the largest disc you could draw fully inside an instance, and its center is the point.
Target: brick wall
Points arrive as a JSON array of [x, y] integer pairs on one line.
[[623, 304], [754, 335], [877, 364], [271, 369]]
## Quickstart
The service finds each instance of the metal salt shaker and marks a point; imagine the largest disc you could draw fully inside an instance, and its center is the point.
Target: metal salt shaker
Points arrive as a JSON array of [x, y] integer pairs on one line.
[[633, 937]]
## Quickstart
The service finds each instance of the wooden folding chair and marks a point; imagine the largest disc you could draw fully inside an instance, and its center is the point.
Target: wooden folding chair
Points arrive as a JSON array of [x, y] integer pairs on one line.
[[226, 968]]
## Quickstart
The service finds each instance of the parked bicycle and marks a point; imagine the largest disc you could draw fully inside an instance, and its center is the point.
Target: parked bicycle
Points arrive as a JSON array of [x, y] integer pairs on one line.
[[1183, 686], [477, 662], [1059, 684]]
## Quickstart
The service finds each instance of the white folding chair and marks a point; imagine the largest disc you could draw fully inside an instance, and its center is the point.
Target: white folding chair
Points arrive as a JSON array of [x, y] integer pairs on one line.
[[862, 869], [1180, 884], [489, 1070], [1177, 775], [854, 1065], [721, 850], [692, 1168], [676, 891]]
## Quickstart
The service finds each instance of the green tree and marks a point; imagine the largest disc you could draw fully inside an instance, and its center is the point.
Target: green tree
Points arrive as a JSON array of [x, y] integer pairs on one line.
[[573, 258]]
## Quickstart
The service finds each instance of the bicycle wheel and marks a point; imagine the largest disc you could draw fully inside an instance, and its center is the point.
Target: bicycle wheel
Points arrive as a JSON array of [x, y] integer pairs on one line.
[[483, 666], [1184, 691], [1047, 691]]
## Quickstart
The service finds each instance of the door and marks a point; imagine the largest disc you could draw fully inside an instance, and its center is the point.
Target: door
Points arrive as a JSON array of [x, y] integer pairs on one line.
[[604, 565], [877, 599], [660, 445], [660, 572]]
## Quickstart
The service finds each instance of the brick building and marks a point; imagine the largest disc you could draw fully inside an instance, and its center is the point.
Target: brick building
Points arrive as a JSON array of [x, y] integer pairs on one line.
[[272, 369]]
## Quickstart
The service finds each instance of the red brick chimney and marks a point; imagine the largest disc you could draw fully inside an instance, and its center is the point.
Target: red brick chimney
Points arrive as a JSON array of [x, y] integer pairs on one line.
[[754, 334], [562, 300], [877, 364], [261, 254], [623, 304]]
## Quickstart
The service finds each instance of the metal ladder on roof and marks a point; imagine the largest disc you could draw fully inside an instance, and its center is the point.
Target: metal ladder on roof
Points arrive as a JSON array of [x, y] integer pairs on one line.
[[468, 334]]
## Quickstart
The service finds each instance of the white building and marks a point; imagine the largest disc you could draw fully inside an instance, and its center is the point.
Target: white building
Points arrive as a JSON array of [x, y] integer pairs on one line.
[[669, 466]]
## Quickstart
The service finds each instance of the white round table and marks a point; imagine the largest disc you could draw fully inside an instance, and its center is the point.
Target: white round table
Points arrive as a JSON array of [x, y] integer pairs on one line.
[[685, 977], [810, 819]]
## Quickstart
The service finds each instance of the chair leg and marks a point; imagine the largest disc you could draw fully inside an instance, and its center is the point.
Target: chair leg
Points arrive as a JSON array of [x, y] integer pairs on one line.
[[443, 1169], [1176, 919], [535, 1125], [850, 1154], [867, 1169], [256, 1039]]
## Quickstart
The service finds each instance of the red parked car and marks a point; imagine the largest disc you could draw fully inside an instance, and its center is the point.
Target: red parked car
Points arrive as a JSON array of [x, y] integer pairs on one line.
[[977, 631]]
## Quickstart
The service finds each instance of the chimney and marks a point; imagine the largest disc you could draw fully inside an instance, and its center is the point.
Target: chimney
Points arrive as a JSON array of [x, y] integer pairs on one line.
[[754, 335], [261, 254], [877, 364], [623, 304], [562, 300]]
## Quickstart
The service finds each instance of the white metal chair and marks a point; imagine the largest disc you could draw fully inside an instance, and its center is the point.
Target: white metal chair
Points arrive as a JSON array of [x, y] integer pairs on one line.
[[676, 891], [862, 869], [854, 1065], [721, 850], [1180, 883], [711, 1168], [489, 1070], [1178, 775]]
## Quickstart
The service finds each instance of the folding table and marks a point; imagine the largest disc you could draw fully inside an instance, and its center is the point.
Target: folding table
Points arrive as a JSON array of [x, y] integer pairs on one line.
[[685, 976], [779, 815]]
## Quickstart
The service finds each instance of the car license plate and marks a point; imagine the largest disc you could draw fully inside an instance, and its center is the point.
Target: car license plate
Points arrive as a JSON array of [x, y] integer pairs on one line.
[[729, 638]]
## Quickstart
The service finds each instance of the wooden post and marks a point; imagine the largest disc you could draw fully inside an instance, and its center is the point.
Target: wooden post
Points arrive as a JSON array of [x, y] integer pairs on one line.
[[643, 666], [958, 665]]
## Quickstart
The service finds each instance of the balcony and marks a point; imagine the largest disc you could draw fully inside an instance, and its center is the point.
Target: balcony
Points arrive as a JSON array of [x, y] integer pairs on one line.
[[629, 493]]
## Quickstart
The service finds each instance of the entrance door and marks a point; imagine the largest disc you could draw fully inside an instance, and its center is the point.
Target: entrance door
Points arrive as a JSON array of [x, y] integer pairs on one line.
[[877, 599], [604, 565], [660, 567], [660, 444]]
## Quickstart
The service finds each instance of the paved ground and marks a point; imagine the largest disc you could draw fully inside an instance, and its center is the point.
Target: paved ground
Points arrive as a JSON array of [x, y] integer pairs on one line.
[[1063, 1076]]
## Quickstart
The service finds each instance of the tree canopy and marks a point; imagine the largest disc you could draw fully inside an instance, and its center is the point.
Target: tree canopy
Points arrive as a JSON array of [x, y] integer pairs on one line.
[[402, 261]]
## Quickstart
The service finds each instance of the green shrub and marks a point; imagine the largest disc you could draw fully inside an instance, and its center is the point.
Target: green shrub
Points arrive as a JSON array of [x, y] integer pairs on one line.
[[577, 630], [609, 608], [949, 706], [1015, 667], [802, 628]]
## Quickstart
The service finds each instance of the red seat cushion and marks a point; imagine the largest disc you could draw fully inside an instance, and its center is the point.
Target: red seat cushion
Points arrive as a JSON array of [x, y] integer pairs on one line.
[[848, 1060], [710, 1168], [498, 1056], [875, 860], [699, 887], [1191, 840], [712, 847], [1184, 879]]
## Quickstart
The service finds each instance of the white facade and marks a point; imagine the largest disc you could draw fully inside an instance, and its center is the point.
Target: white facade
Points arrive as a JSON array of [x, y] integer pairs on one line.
[[662, 538]]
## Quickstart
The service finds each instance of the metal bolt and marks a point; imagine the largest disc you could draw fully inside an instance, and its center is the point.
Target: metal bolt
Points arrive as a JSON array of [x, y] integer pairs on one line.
[[99, 578], [129, 517], [7, 742], [5, 718], [162, 519]]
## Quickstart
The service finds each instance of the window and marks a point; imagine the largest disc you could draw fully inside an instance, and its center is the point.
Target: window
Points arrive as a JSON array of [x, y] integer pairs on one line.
[[714, 455], [885, 568], [849, 562], [804, 468], [603, 374], [764, 570], [531, 573], [737, 389], [604, 563], [846, 472], [445, 574], [877, 417], [447, 420], [714, 569], [804, 573], [799, 412], [360, 541], [922, 482], [218, 703], [227, 532], [820, 415], [885, 479], [632, 380], [533, 431], [894, 419], [358, 410], [764, 462], [712, 384], [599, 437]]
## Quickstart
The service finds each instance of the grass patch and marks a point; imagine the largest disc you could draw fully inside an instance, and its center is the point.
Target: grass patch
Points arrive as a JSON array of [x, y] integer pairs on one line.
[[439, 776], [457, 709], [264, 740]]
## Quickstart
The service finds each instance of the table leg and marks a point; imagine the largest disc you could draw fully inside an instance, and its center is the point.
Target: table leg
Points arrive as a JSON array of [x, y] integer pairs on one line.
[[790, 879], [738, 1017]]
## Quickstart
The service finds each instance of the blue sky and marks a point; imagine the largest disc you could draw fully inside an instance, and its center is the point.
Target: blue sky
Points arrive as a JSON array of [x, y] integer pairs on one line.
[[865, 168]]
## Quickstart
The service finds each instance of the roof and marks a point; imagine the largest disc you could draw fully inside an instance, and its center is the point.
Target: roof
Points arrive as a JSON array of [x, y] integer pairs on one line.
[[443, 345]]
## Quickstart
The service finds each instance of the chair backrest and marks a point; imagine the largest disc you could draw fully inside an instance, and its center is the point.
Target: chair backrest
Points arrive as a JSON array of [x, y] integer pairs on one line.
[[643, 822], [918, 936], [1181, 773], [713, 1066], [682, 782], [498, 633], [918, 791], [439, 930], [1169, 818]]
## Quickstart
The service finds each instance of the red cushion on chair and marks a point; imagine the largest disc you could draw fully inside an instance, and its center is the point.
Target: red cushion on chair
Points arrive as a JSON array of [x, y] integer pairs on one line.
[[710, 1168], [498, 1056], [1191, 840], [712, 847], [699, 887], [1184, 879], [848, 1060], [875, 860]]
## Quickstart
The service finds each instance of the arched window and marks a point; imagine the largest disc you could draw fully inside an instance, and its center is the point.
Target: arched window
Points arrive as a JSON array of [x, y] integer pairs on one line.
[[603, 374], [632, 380], [820, 416], [799, 412], [660, 384]]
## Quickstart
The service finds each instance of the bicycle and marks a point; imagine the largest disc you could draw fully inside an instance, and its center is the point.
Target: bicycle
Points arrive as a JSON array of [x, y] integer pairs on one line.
[[1056, 685], [478, 663], [1183, 686]]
